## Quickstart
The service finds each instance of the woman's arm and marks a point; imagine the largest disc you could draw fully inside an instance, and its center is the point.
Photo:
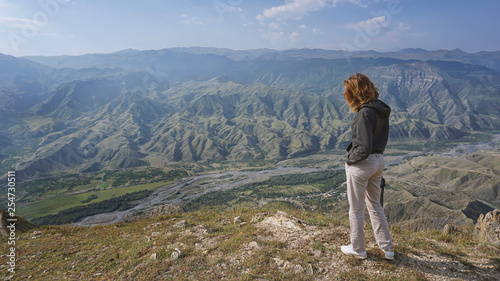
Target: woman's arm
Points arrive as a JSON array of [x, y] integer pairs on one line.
[[362, 136]]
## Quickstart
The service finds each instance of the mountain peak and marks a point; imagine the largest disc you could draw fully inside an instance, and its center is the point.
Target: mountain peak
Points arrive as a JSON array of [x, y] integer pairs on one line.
[[458, 51], [413, 50], [126, 51]]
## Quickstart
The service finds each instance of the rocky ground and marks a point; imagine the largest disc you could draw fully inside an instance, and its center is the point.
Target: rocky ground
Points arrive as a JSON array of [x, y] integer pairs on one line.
[[253, 244]]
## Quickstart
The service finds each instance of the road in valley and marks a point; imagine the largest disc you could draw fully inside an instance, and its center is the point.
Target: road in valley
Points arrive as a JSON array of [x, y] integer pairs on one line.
[[192, 187]]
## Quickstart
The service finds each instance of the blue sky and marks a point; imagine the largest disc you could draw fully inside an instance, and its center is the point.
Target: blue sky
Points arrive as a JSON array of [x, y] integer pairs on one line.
[[72, 27]]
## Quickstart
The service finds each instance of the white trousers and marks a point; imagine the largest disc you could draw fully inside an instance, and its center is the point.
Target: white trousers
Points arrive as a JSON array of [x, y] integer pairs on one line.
[[363, 185]]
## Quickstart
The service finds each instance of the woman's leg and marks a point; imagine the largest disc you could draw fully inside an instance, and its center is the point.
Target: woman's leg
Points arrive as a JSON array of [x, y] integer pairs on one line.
[[357, 180], [375, 209]]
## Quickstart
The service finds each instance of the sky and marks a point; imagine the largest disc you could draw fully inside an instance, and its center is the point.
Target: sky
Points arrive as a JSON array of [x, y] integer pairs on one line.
[[74, 27]]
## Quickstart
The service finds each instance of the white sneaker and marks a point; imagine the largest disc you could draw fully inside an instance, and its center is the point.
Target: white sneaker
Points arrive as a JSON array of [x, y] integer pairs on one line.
[[389, 254], [347, 249]]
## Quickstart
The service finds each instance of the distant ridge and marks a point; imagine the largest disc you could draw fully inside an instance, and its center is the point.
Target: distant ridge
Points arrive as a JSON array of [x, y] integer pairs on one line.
[[413, 50], [126, 51], [130, 108], [489, 59]]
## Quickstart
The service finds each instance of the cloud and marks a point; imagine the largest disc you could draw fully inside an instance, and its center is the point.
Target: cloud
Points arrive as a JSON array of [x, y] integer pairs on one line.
[[294, 37], [14, 22], [280, 38], [275, 38], [402, 27], [359, 3], [397, 31], [297, 9], [317, 30], [191, 20], [369, 24], [274, 26]]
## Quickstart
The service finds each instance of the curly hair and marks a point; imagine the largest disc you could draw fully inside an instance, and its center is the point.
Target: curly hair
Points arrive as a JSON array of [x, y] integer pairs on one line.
[[359, 90]]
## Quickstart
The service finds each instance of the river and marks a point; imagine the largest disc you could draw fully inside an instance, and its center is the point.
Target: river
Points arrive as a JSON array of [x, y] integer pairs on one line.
[[181, 192]]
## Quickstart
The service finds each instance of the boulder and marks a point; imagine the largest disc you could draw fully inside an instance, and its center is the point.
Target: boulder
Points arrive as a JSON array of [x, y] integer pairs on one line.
[[175, 254], [181, 224], [284, 226], [488, 228]]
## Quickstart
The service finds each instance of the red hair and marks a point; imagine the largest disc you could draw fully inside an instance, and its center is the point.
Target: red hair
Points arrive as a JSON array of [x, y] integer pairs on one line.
[[359, 90]]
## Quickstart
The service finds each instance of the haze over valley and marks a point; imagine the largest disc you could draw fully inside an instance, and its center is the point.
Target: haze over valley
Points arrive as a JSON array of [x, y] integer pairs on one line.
[[200, 110]]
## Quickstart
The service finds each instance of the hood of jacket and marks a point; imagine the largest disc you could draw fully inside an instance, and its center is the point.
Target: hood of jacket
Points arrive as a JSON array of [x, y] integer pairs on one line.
[[383, 109]]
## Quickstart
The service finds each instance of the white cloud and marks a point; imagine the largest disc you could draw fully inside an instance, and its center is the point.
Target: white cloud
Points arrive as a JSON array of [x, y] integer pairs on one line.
[[358, 2], [191, 20], [14, 22], [397, 31], [302, 26], [317, 30], [294, 37], [403, 27], [369, 24], [295, 9], [282, 39], [378, 21], [275, 38], [274, 26]]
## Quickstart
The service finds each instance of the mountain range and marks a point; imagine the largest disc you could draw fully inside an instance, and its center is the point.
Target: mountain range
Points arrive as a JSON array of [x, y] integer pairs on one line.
[[138, 108], [488, 59]]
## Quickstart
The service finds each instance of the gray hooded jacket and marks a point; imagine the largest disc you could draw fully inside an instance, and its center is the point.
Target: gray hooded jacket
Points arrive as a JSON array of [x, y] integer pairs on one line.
[[370, 131]]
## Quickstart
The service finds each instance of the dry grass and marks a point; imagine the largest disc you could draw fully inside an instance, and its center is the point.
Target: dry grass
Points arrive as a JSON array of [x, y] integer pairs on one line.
[[214, 247]]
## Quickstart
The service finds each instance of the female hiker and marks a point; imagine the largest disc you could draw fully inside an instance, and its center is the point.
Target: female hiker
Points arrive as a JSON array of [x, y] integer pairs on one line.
[[365, 164]]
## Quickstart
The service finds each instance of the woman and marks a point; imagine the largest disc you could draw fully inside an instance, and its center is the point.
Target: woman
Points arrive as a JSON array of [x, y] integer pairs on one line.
[[365, 164]]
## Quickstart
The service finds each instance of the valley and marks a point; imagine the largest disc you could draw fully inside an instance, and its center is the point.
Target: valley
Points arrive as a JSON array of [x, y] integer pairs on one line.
[[441, 200], [232, 126], [189, 189]]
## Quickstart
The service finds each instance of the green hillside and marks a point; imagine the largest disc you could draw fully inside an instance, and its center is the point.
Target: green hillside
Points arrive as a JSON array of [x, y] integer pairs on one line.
[[215, 120], [139, 108]]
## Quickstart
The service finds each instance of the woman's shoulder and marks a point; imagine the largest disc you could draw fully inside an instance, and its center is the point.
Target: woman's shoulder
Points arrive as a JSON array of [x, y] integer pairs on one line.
[[376, 107], [367, 113], [366, 110]]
